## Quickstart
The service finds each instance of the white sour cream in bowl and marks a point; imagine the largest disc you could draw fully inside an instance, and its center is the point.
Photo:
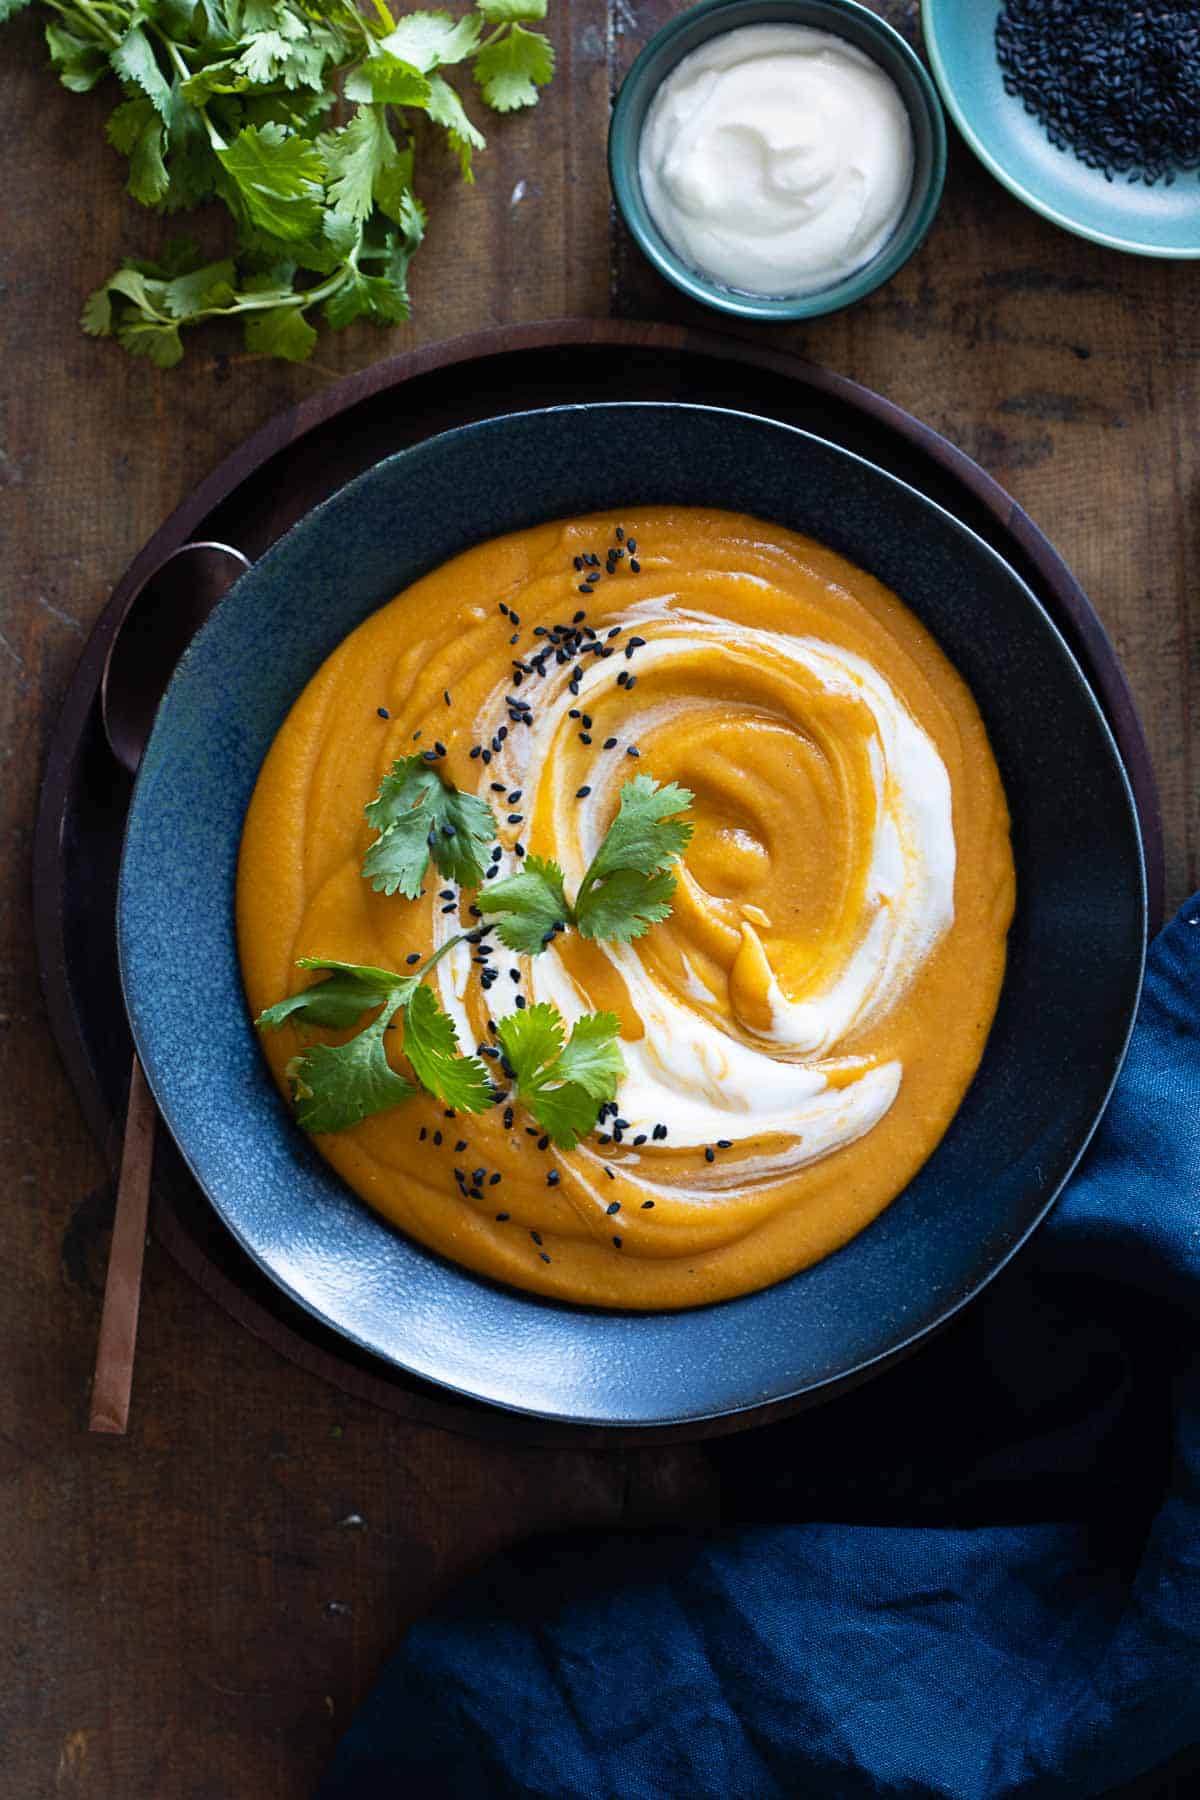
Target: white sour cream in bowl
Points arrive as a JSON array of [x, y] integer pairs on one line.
[[776, 159]]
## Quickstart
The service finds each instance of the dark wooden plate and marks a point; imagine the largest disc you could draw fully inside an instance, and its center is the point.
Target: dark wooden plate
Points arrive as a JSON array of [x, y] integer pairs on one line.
[[262, 489]]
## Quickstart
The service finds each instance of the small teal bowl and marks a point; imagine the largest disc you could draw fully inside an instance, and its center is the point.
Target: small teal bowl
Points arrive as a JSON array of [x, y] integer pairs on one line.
[[868, 33]]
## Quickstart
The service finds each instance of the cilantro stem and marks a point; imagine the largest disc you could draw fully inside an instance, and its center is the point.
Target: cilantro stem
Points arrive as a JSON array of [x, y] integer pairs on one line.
[[80, 13], [385, 17]]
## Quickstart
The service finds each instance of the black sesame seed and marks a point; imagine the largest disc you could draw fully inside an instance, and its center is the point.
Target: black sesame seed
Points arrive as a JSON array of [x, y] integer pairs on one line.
[[415, 957], [710, 1154], [383, 712], [446, 894], [422, 1135], [646, 1205], [475, 750], [632, 750], [477, 1175], [487, 756], [461, 1145], [503, 1218], [631, 684], [446, 695], [514, 796], [617, 1242], [610, 743], [615, 632], [536, 1236], [609, 1173], [512, 615], [453, 907], [552, 1178], [543, 1256], [437, 1137], [430, 755], [578, 563], [583, 792], [635, 566], [508, 1118], [615, 1207], [518, 850], [619, 534], [503, 608], [724, 1143], [639, 1139], [520, 1003], [578, 617], [543, 1142]]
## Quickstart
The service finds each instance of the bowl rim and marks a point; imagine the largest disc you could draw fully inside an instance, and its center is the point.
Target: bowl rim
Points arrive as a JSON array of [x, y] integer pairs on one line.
[[930, 21], [622, 158], [823, 1386]]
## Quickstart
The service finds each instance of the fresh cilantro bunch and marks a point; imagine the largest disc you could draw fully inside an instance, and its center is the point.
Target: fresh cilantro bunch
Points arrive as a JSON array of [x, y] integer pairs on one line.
[[626, 889], [235, 100]]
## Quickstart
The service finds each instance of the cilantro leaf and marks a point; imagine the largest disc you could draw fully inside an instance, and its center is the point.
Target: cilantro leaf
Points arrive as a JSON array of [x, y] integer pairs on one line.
[[529, 904], [512, 68], [350, 990], [278, 180], [430, 40], [627, 886], [563, 1085], [416, 813], [625, 905], [432, 1048], [281, 331], [446, 109], [388, 78], [337, 1086], [134, 60], [643, 836], [591, 1058], [357, 157]]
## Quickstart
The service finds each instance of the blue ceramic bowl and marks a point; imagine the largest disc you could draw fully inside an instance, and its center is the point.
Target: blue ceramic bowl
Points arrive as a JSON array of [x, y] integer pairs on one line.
[[868, 33], [1147, 221], [1065, 1011]]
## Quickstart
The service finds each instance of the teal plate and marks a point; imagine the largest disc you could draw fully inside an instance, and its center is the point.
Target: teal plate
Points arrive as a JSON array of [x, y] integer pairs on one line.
[[1124, 215]]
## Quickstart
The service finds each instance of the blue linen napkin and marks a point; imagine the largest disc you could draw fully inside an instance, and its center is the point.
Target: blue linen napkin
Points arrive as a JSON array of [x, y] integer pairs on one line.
[[976, 1577]]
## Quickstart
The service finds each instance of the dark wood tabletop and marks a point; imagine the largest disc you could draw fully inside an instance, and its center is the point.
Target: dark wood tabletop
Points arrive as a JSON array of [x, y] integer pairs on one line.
[[195, 1609]]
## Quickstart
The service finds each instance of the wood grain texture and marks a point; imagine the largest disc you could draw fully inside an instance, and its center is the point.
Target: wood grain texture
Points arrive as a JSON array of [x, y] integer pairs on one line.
[[193, 1610]]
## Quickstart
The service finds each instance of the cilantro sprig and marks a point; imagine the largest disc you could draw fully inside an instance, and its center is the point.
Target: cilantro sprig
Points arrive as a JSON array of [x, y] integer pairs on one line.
[[418, 815], [627, 886], [234, 100], [335, 1086], [564, 1084]]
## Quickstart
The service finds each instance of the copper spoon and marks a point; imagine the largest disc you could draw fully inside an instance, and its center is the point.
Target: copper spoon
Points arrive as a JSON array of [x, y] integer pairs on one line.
[[160, 620]]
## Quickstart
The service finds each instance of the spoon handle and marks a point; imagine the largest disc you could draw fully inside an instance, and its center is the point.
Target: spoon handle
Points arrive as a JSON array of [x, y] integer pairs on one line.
[[123, 1285]]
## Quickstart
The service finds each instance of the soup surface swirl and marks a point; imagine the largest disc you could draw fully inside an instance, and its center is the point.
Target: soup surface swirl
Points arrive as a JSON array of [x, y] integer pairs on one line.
[[800, 1031]]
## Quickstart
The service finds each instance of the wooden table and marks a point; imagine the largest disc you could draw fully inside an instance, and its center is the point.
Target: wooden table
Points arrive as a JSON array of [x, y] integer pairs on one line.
[[196, 1609]]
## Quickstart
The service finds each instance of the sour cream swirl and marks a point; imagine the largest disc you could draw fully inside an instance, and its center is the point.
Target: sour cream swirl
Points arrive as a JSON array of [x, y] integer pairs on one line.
[[759, 1058]]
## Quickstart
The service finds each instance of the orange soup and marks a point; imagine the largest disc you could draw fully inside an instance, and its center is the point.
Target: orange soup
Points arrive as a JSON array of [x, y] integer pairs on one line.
[[797, 1034]]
